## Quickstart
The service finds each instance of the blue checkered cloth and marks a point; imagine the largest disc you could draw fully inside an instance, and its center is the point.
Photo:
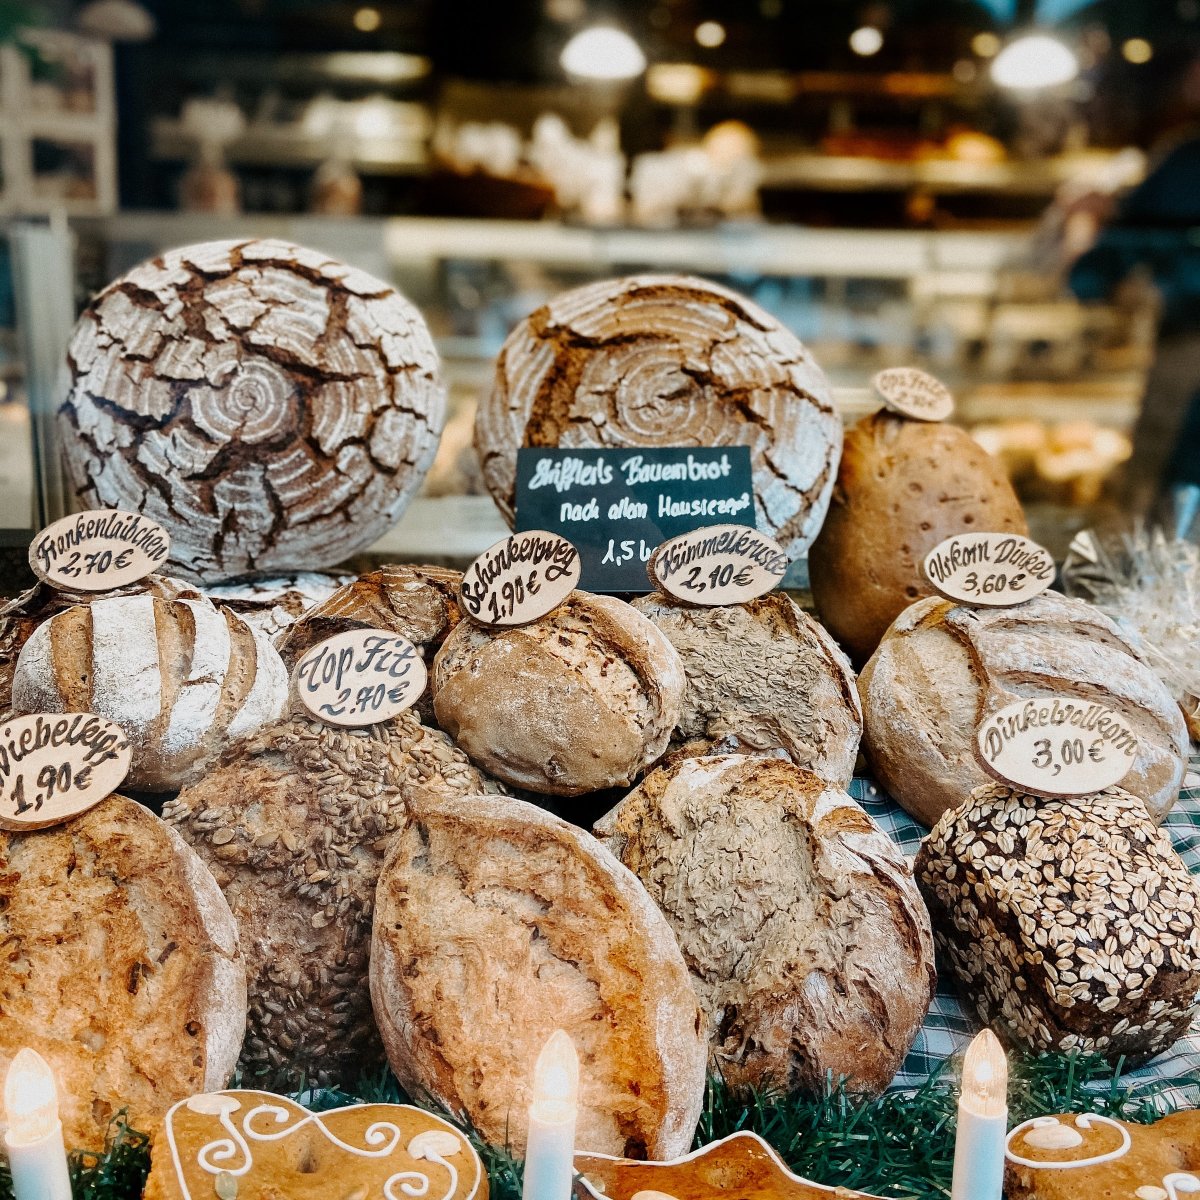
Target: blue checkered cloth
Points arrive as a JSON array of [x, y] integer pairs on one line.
[[948, 1028]]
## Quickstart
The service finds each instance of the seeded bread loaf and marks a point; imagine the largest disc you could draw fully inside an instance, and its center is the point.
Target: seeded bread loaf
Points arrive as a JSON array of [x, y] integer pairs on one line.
[[294, 824], [497, 923], [902, 487], [806, 938], [581, 700], [271, 606], [943, 668], [1068, 924], [182, 678], [119, 964], [762, 676]]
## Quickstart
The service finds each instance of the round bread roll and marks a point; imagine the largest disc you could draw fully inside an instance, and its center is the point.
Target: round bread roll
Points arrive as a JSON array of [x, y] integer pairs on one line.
[[762, 676], [182, 678], [498, 923], [273, 409], [943, 668], [581, 700], [1069, 924], [294, 824], [121, 967], [667, 360], [806, 937], [272, 606], [902, 487]]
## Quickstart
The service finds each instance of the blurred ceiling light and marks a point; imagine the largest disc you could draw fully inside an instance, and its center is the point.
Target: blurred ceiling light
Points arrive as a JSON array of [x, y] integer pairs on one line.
[[1137, 50], [965, 70], [367, 20], [1034, 61], [866, 40], [710, 34], [676, 83], [986, 44], [603, 53], [117, 21]]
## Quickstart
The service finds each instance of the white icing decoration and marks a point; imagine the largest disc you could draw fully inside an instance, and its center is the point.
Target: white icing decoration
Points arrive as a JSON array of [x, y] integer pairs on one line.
[[434, 1143], [213, 1104], [650, 1194], [1084, 1121], [226, 1186], [1150, 1192], [1054, 1137], [1180, 1181]]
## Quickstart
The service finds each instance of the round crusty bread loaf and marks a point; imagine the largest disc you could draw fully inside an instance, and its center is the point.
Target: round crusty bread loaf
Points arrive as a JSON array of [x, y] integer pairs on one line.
[[667, 360], [271, 606], [806, 937], [294, 824], [581, 700], [121, 967], [902, 487], [497, 923], [1069, 925], [762, 676], [182, 678], [943, 668]]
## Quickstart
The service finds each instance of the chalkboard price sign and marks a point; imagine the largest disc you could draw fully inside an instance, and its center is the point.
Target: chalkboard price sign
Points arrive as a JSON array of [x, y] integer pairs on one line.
[[617, 506]]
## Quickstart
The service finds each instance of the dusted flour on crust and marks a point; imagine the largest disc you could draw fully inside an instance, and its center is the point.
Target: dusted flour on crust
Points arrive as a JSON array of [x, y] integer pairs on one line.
[[497, 923], [271, 606]]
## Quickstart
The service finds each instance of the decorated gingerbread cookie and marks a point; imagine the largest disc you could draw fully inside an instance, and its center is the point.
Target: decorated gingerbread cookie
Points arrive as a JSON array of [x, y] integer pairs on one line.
[[245, 1145]]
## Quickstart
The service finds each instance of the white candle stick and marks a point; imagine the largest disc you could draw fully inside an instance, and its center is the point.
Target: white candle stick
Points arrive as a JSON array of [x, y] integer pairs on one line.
[[982, 1122], [34, 1138], [550, 1147]]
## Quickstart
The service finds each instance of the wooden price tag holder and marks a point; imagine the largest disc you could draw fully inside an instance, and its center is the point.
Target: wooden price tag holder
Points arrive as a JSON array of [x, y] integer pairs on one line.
[[914, 393], [98, 550], [360, 677], [54, 766], [992, 569], [717, 565], [521, 579]]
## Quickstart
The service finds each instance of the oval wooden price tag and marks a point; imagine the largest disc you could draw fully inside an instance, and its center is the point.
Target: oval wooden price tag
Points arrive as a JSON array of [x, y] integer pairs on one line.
[[994, 569], [719, 564], [522, 578], [99, 550], [1056, 746], [914, 393], [360, 677], [57, 765]]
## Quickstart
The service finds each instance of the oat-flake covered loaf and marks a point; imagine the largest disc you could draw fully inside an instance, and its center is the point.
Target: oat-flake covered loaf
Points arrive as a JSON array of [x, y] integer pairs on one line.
[[1069, 924], [119, 964], [806, 938], [294, 825]]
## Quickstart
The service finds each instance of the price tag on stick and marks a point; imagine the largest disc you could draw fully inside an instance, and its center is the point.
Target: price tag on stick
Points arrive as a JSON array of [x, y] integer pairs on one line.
[[1056, 746], [360, 677], [914, 393], [992, 569], [99, 550], [719, 564], [519, 580], [56, 765]]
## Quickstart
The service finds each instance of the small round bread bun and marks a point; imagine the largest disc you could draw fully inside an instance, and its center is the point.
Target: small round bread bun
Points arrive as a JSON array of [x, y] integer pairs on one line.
[[294, 824], [121, 967], [762, 676], [496, 924], [581, 700], [805, 935]]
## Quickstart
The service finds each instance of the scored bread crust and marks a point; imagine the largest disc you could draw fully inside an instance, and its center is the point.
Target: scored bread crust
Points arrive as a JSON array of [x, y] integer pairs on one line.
[[582, 699], [942, 668], [807, 940], [497, 923], [120, 966]]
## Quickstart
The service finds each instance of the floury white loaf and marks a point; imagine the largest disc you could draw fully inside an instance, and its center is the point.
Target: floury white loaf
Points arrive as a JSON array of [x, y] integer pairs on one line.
[[182, 678]]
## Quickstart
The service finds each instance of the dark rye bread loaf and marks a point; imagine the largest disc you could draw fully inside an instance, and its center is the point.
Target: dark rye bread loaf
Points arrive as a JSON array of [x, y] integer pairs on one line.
[[667, 360], [497, 923], [294, 824], [1068, 924], [119, 964], [762, 676], [942, 669], [582, 699], [805, 935]]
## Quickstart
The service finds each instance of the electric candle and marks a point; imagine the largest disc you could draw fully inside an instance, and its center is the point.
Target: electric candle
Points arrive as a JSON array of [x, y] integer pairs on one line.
[[34, 1139], [550, 1147], [982, 1122]]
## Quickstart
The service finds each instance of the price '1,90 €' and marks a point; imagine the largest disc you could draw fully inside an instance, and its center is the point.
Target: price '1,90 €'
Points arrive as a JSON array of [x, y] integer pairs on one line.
[[521, 579]]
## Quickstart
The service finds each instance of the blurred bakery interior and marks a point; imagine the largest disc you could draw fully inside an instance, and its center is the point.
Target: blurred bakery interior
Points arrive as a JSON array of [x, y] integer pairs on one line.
[[1000, 191]]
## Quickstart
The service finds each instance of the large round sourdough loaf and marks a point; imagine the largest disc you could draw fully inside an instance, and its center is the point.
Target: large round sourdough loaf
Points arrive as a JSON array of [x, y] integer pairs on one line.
[[182, 678], [497, 923], [667, 360], [119, 964], [294, 824], [762, 676], [806, 938], [942, 668], [581, 700]]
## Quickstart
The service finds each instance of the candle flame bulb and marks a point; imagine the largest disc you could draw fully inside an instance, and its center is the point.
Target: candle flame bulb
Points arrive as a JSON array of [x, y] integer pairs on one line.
[[30, 1098], [556, 1079], [985, 1076]]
